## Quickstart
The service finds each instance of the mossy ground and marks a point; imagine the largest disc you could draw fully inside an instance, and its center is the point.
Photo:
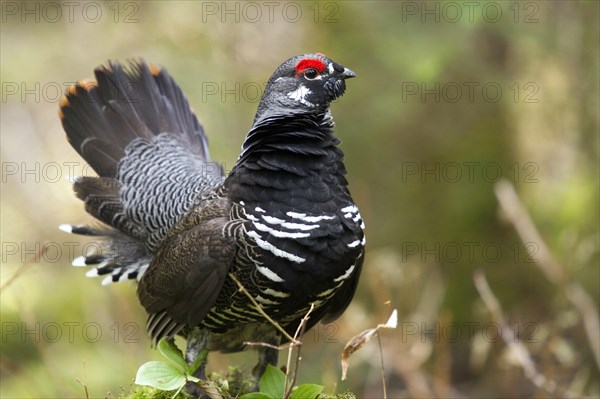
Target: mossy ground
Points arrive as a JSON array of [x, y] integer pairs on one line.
[[231, 385], [153, 393]]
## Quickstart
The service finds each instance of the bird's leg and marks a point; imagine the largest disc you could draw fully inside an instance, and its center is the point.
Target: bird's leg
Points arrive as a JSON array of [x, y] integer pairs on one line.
[[266, 356], [196, 352]]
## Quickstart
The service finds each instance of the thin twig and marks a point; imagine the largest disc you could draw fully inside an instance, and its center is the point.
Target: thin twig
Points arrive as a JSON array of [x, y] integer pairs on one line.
[[520, 219], [589, 314], [23, 268], [85, 388], [293, 340], [261, 311], [266, 345], [299, 333], [517, 348], [382, 366]]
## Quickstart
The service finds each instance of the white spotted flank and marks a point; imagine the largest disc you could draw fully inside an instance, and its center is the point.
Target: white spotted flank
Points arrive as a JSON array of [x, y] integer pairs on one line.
[[274, 250]]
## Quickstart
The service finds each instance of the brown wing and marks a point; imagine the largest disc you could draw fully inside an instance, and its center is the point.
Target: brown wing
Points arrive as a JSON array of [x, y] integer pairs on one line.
[[185, 278]]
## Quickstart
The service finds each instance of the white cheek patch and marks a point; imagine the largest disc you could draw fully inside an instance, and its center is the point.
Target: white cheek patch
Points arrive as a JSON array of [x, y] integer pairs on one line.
[[300, 95], [330, 68]]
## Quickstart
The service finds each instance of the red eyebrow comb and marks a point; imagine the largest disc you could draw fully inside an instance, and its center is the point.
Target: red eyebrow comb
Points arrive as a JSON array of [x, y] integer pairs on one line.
[[310, 63]]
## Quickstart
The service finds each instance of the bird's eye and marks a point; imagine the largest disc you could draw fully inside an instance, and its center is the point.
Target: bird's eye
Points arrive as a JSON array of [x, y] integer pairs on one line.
[[311, 73]]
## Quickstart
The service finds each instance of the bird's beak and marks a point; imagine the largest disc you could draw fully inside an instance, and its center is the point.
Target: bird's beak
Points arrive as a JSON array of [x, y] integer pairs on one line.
[[348, 73]]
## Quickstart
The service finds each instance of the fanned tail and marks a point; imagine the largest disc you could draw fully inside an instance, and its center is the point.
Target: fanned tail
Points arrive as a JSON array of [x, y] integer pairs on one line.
[[102, 117], [116, 257], [124, 124]]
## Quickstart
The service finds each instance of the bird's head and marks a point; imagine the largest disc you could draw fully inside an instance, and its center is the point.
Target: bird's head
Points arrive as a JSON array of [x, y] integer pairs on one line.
[[304, 83]]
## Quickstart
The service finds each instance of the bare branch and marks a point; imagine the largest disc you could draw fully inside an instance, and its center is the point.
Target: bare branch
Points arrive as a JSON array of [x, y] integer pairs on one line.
[[83, 384], [589, 313], [299, 332], [382, 366], [266, 345], [516, 347], [520, 219], [24, 267], [294, 341], [261, 311], [85, 388]]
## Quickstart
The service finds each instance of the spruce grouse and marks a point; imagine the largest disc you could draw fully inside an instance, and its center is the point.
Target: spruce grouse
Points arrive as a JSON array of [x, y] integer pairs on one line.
[[282, 221]]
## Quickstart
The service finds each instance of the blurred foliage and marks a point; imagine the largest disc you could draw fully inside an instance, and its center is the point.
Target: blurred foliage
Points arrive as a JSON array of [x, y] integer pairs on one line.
[[428, 227]]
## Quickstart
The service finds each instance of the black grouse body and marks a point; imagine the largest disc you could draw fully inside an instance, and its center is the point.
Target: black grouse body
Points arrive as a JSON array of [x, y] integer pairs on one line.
[[282, 222]]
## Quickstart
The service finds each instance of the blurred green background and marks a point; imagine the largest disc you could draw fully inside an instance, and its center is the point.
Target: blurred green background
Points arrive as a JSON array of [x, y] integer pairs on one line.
[[450, 97]]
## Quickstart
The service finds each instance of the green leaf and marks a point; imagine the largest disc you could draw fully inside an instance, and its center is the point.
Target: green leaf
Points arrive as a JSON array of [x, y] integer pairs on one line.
[[160, 375], [272, 382], [172, 352], [201, 358], [307, 391], [255, 395]]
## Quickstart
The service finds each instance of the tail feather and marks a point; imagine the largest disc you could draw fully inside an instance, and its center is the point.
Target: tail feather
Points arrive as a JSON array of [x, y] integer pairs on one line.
[[101, 199], [118, 257], [88, 260], [88, 130], [135, 128], [80, 230], [101, 118]]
